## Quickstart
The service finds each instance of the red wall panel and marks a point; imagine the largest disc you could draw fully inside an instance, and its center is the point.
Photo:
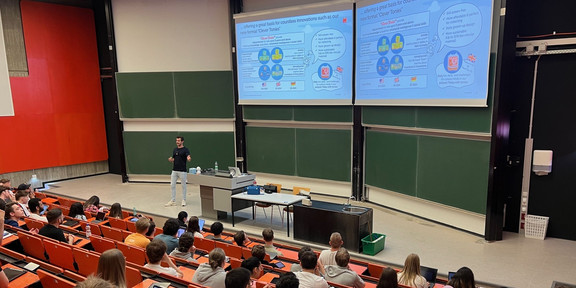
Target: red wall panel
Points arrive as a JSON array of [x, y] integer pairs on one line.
[[59, 116]]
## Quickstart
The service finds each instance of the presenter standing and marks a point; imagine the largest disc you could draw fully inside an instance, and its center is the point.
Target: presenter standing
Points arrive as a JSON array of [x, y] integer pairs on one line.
[[179, 157]]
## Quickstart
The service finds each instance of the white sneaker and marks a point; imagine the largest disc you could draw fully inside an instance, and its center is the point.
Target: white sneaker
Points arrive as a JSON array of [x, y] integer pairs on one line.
[[183, 203], [171, 203]]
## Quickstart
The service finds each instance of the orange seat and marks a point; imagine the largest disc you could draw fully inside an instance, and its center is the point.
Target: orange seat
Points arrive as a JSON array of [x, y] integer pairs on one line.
[[101, 244], [133, 254], [235, 263], [60, 254], [32, 245], [131, 226], [133, 277], [117, 223], [50, 280], [246, 252], [234, 251], [204, 244], [33, 223], [87, 261], [65, 202], [112, 233], [375, 270]]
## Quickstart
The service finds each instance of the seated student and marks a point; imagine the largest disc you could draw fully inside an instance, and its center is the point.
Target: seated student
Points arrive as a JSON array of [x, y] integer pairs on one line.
[[194, 227], [22, 200], [268, 235], [327, 257], [156, 252], [169, 232], [151, 229], [112, 267], [139, 238], [182, 218], [238, 278], [241, 239], [463, 278], [185, 248], [288, 280], [308, 277], [77, 211], [259, 252], [296, 267], [52, 230], [115, 211], [36, 206], [388, 279], [410, 274], [14, 214], [92, 205], [212, 274], [255, 267], [216, 228], [341, 273]]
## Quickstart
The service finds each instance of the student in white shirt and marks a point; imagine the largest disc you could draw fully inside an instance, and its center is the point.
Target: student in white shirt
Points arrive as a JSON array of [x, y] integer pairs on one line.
[[156, 252], [36, 206]]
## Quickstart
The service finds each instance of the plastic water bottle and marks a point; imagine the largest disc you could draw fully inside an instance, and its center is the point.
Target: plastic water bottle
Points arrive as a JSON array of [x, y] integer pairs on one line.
[[88, 232], [216, 166], [134, 209]]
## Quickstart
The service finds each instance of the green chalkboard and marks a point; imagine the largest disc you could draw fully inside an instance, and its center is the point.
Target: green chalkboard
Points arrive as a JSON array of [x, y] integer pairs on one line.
[[454, 172], [270, 150], [340, 114], [205, 94], [391, 161], [148, 152], [146, 95], [324, 154]]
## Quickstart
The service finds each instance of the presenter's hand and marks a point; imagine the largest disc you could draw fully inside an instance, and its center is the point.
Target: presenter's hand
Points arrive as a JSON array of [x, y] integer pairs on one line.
[[189, 158], [171, 159]]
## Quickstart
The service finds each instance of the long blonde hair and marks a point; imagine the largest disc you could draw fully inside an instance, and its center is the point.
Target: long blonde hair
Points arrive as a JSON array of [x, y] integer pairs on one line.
[[112, 267], [410, 271]]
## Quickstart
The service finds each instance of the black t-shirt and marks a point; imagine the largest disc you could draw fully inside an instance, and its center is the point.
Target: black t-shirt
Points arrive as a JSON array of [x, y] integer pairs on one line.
[[180, 156], [53, 232]]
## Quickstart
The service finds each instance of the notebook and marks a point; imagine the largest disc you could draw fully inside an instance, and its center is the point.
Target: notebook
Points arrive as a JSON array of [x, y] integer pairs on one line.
[[13, 273]]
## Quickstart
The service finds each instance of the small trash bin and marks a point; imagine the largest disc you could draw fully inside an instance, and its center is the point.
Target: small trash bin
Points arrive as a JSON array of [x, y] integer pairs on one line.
[[373, 243]]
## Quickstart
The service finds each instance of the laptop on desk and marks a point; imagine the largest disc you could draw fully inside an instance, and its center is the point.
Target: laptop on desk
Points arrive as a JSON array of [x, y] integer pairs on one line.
[[430, 274], [99, 218]]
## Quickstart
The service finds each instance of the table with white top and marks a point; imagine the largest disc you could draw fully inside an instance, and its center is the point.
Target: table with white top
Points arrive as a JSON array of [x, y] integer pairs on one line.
[[281, 199]]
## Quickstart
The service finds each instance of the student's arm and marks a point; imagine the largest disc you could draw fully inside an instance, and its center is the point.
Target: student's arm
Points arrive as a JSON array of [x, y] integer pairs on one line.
[[170, 263], [2, 213], [3, 280]]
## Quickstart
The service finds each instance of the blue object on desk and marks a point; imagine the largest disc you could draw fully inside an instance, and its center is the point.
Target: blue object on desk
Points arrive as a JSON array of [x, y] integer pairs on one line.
[[253, 190]]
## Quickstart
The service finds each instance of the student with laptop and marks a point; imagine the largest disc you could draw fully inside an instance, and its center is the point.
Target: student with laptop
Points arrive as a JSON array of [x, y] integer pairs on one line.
[[195, 226], [463, 278], [410, 274]]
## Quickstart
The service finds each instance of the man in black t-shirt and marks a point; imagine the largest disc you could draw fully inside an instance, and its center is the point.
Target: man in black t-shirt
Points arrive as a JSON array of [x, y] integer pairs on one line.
[[180, 156], [52, 229]]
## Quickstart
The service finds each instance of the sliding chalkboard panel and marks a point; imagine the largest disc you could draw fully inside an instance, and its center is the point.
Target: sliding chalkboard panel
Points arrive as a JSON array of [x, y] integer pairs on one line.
[[148, 152], [454, 172], [392, 116], [270, 150], [146, 95], [323, 113], [204, 94], [268, 113], [324, 154], [391, 161]]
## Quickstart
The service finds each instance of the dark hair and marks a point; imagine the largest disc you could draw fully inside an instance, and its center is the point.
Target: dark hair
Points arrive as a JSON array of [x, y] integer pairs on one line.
[[2, 204], [20, 193], [237, 278], [171, 227], [182, 215], [464, 278], [185, 242], [151, 228], [94, 200], [76, 209], [302, 250], [34, 205], [308, 260], [239, 238], [288, 280], [10, 209], [216, 228], [115, 211], [268, 234], [181, 138], [259, 252], [250, 264], [388, 278], [155, 250], [53, 215], [193, 225]]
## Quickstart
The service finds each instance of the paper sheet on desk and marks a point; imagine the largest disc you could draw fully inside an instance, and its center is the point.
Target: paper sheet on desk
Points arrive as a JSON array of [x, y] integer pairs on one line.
[[6, 235]]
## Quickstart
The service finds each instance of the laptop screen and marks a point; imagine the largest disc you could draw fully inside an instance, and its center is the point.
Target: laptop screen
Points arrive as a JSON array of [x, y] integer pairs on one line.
[[100, 216], [201, 223], [429, 273], [180, 232], [450, 275]]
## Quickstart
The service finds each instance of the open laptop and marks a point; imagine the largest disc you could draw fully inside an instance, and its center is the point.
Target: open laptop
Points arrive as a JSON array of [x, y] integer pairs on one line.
[[430, 274], [450, 275], [12, 273], [201, 224], [99, 217]]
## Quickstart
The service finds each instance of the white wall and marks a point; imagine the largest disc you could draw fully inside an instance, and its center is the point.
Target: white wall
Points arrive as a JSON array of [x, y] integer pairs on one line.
[[172, 35]]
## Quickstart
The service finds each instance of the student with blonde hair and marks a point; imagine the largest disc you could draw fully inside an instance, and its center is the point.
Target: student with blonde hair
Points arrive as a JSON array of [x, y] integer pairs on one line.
[[112, 267], [212, 274], [410, 274]]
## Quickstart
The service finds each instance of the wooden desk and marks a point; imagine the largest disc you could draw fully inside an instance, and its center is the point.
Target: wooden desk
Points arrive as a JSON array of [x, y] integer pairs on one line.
[[25, 280]]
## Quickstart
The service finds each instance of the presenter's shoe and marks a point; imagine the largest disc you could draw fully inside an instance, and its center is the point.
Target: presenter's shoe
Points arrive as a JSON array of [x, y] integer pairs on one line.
[[183, 203], [171, 203]]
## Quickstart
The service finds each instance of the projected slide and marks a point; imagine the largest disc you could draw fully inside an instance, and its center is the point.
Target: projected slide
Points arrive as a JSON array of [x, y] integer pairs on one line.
[[296, 60], [428, 53]]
